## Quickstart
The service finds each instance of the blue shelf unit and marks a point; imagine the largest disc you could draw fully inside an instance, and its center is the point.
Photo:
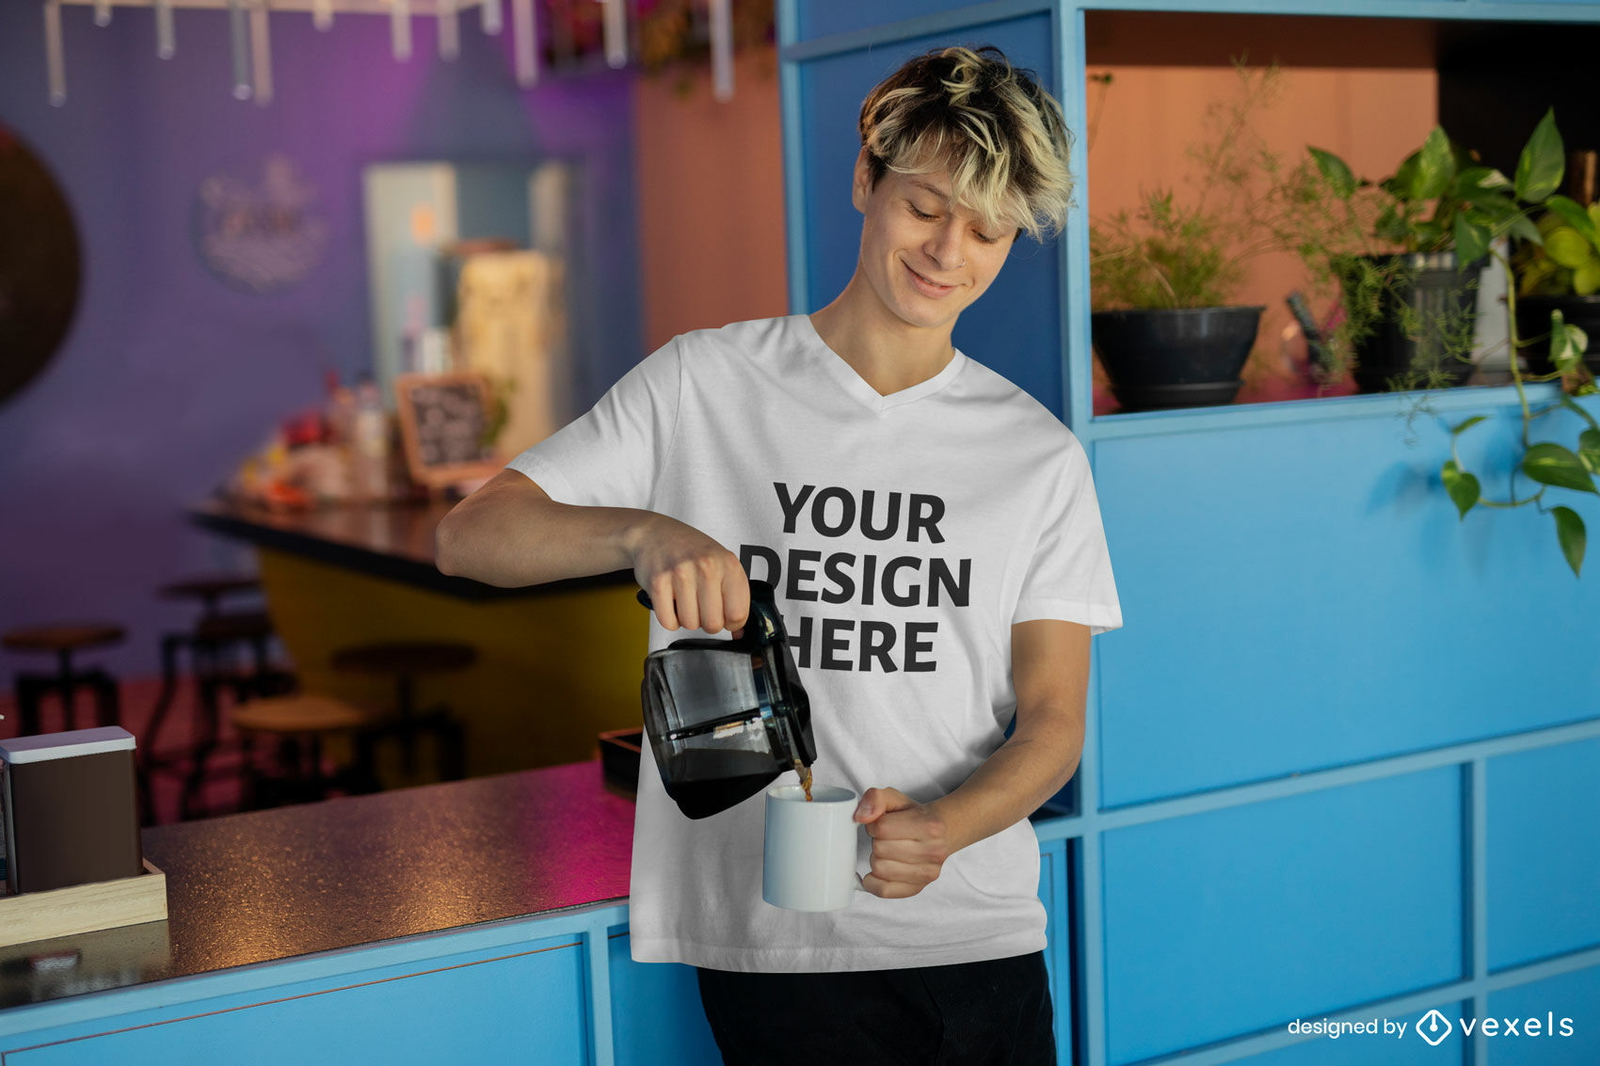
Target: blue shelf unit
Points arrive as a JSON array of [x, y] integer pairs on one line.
[[1343, 762]]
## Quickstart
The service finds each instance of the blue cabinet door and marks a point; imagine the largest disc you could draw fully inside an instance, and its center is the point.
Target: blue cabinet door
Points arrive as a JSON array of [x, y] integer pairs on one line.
[[523, 1004]]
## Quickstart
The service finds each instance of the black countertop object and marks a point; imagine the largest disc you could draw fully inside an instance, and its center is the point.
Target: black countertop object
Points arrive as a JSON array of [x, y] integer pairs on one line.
[[394, 542], [272, 885]]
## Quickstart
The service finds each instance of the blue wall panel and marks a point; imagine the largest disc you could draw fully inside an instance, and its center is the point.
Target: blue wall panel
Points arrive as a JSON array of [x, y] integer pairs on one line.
[[1246, 918], [656, 1017], [533, 1001], [819, 18], [1575, 996], [1544, 854], [1015, 328], [1302, 596]]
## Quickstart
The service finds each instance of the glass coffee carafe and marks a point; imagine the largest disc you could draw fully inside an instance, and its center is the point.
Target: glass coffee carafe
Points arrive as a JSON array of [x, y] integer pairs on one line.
[[726, 717]]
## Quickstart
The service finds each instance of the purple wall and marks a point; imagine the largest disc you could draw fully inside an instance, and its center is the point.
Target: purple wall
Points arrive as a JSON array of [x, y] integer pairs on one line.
[[169, 376]]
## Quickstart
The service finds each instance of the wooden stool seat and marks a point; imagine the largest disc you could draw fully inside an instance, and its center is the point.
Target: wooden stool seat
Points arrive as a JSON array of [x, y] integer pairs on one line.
[[208, 587], [298, 725], [308, 713], [406, 657], [235, 625], [405, 661], [62, 640], [59, 638]]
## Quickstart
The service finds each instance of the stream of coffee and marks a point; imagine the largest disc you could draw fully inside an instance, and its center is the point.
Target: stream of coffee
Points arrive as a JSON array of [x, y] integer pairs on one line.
[[805, 777]]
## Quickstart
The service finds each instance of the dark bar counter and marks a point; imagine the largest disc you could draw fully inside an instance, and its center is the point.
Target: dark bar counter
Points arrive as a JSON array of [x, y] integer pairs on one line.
[[272, 885], [394, 542]]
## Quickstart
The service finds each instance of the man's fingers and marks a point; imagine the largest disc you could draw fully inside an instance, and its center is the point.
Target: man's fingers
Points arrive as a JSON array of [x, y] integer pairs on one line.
[[662, 599], [736, 601], [889, 889], [685, 599]]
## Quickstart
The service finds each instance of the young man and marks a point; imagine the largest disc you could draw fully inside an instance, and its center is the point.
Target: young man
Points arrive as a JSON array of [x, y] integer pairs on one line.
[[936, 546]]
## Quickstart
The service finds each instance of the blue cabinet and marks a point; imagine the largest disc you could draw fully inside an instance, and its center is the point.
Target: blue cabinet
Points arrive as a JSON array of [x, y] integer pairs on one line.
[[553, 991]]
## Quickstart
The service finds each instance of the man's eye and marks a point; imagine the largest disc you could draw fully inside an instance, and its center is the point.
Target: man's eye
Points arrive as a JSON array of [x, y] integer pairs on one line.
[[924, 217], [985, 238]]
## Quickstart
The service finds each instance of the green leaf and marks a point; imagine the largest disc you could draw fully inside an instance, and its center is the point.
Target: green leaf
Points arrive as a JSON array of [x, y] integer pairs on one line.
[[1567, 343], [1573, 537], [1586, 279], [1391, 226], [1550, 464], [1566, 246], [1472, 241], [1572, 213], [1589, 449], [1594, 215], [1522, 228], [1457, 430], [1436, 167], [1542, 162], [1462, 487], [1334, 170]]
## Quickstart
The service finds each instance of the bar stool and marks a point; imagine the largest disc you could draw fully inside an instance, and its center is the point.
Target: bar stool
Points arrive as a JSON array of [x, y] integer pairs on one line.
[[405, 661], [214, 646], [299, 723], [208, 649], [63, 640]]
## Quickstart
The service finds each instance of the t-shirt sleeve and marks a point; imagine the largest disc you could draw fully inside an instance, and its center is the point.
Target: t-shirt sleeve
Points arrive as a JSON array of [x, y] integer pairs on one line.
[[612, 455], [1069, 577]]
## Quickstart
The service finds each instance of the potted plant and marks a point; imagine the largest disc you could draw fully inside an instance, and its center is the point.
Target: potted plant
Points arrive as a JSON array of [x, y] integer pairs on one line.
[[1162, 275], [1404, 253], [1162, 326]]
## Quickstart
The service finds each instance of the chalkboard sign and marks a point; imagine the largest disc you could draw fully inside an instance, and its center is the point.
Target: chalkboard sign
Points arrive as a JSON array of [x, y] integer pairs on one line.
[[443, 419]]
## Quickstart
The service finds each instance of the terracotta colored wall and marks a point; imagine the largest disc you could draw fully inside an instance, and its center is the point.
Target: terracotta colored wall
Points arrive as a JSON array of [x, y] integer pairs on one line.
[[710, 188], [1370, 118]]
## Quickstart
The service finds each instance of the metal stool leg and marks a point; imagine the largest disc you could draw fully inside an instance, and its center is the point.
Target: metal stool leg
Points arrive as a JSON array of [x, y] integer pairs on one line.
[[30, 694], [107, 696], [169, 688]]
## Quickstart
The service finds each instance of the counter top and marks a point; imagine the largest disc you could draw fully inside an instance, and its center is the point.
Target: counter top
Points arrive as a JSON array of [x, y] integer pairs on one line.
[[394, 542], [271, 885]]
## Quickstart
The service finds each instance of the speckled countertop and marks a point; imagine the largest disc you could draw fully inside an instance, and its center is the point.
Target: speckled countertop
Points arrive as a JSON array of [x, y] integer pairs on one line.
[[271, 885]]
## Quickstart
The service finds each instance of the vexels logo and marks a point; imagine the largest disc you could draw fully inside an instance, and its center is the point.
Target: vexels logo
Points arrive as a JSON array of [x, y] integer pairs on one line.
[[1433, 1027]]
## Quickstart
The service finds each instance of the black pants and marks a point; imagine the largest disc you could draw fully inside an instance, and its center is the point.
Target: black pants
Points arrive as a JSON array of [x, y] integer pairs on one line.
[[970, 1014]]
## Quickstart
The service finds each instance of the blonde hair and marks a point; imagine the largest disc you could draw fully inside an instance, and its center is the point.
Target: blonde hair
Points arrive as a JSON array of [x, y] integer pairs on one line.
[[1000, 135]]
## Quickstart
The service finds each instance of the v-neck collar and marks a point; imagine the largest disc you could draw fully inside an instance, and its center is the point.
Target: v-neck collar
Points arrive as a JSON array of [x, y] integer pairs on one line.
[[856, 386]]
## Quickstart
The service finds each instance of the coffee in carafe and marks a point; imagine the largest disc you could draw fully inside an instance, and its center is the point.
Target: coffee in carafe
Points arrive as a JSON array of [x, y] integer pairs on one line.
[[726, 717]]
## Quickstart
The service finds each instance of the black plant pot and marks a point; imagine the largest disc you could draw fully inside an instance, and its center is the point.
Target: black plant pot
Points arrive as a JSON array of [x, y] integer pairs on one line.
[[1189, 357], [1444, 302], [1533, 320]]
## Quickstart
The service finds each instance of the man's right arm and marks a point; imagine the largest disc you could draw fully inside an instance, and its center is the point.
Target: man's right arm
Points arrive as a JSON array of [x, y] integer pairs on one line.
[[510, 533]]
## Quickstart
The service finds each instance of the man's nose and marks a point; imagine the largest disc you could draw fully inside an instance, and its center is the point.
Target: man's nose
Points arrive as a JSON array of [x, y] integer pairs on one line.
[[944, 247]]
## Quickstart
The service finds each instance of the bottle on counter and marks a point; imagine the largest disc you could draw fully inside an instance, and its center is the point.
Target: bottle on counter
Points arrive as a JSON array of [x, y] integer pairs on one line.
[[369, 443]]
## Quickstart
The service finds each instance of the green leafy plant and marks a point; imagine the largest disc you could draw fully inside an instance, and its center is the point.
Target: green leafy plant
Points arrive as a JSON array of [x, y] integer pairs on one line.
[[1360, 239], [1187, 251], [1567, 261], [1547, 464]]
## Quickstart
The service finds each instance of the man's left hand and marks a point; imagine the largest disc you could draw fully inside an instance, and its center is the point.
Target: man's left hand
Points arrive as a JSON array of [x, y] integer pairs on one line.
[[909, 843]]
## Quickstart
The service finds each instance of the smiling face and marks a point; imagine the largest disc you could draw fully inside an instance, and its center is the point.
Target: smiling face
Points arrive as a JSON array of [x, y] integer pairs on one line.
[[925, 258]]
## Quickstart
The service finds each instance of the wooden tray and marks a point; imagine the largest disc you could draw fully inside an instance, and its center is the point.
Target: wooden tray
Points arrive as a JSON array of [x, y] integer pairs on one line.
[[83, 908]]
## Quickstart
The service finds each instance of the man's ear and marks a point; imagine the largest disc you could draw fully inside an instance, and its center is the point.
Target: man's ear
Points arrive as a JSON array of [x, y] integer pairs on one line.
[[861, 182]]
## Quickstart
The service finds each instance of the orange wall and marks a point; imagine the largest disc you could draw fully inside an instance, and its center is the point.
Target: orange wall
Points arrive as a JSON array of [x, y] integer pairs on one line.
[[1370, 118], [710, 181]]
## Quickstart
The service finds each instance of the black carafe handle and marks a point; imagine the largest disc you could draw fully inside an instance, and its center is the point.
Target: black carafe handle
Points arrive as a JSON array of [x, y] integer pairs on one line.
[[764, 626]]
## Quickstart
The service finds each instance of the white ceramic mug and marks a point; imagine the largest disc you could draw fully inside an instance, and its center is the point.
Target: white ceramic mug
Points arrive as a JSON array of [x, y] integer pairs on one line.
[[809, 860]]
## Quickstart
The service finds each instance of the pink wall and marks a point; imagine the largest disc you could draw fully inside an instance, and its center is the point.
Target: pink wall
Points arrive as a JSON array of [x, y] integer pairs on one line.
[[710, 189]]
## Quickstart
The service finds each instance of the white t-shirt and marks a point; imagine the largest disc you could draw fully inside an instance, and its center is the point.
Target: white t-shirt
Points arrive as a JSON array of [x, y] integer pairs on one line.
[[904, 534]]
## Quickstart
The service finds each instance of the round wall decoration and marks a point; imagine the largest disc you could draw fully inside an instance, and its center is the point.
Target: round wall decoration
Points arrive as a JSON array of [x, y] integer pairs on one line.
[[261, 234], [39, 265]]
